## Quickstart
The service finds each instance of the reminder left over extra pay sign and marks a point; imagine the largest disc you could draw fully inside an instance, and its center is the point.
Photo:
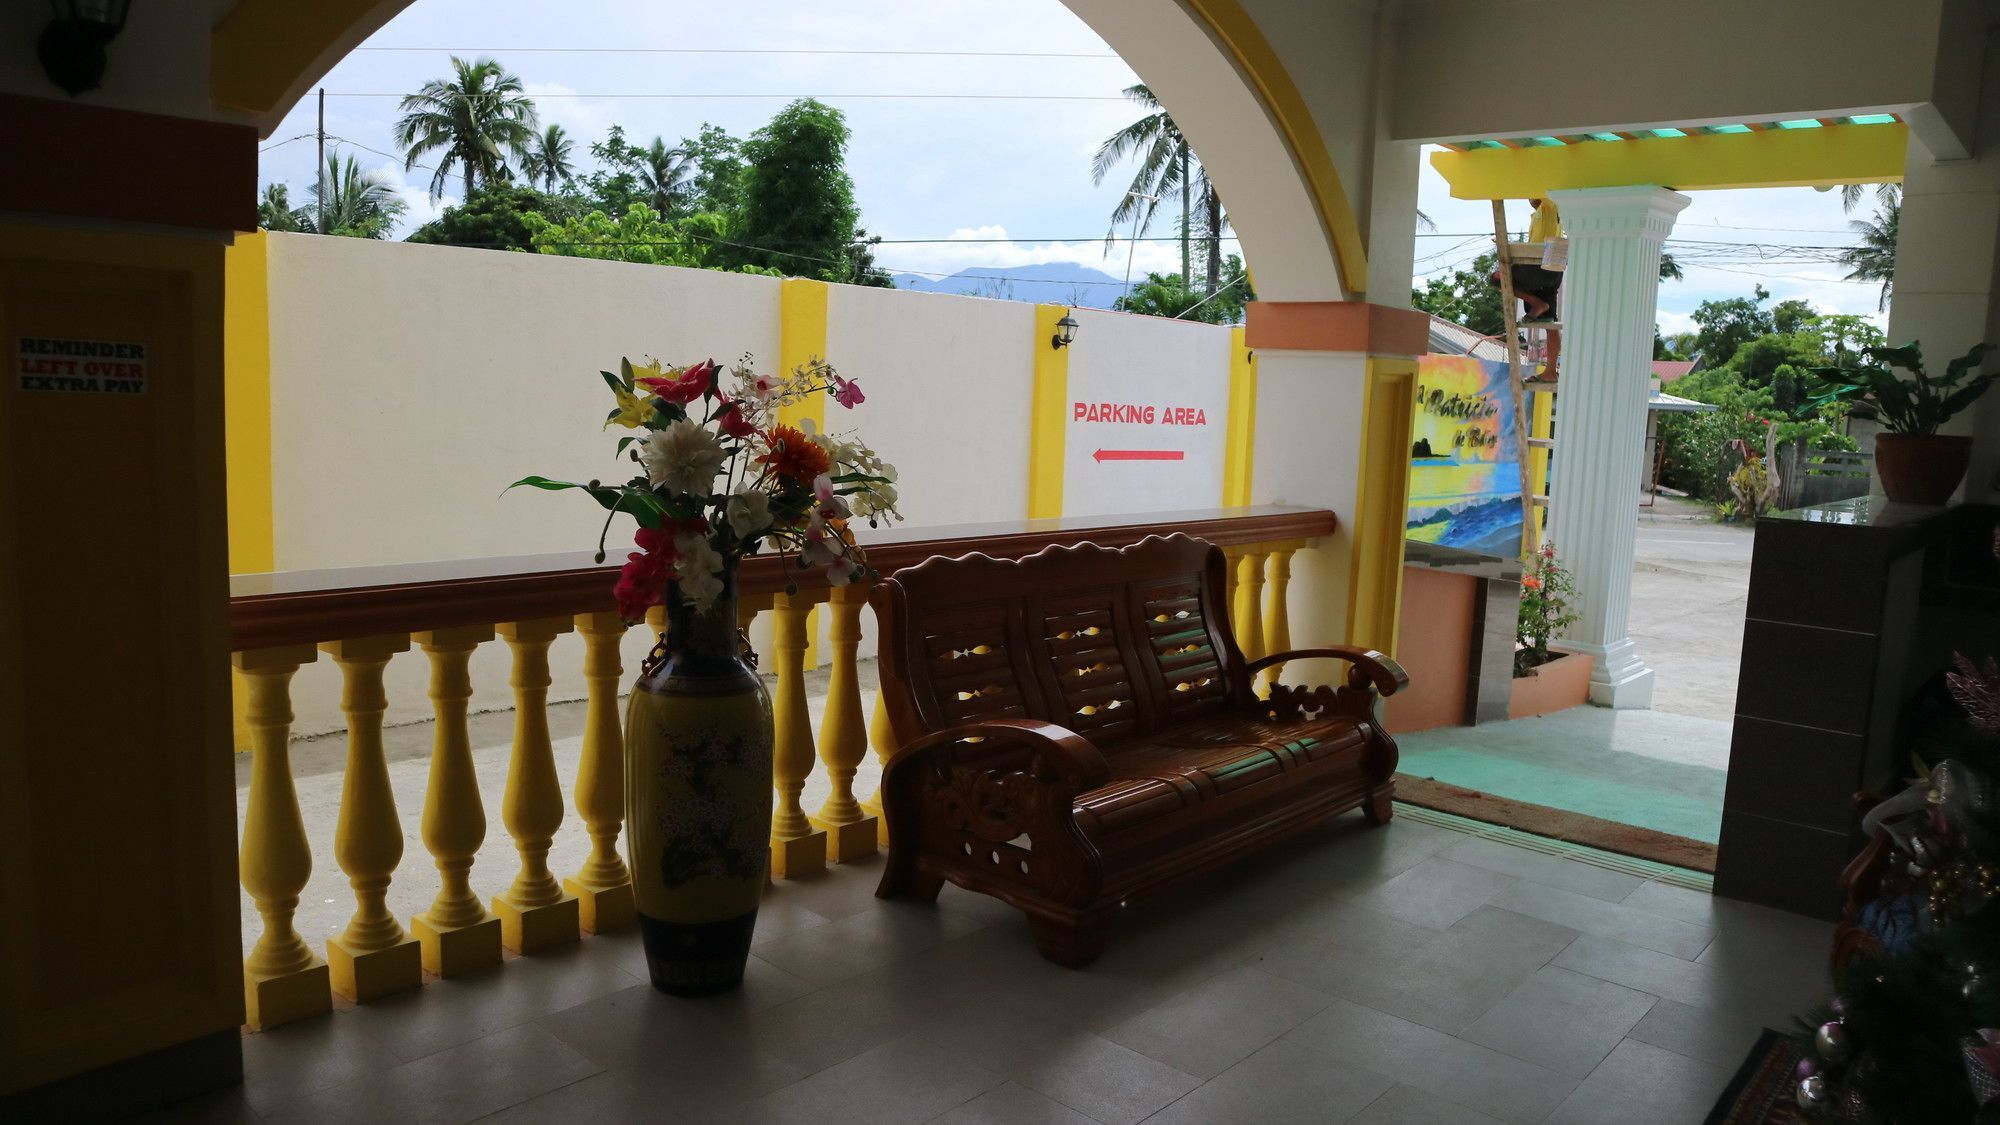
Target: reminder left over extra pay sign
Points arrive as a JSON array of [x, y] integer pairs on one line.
[[55, 364]]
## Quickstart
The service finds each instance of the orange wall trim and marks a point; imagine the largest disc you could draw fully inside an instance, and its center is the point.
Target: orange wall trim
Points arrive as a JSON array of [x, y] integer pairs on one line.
[[1435, 646], [89, 162], [1337, 326]]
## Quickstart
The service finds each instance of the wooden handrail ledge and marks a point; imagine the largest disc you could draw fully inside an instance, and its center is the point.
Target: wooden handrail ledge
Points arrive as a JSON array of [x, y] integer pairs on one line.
[[310, 606]]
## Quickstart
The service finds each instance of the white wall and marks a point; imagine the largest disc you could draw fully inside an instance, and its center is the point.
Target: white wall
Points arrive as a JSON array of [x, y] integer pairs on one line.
[[410, 384], [159, 64]]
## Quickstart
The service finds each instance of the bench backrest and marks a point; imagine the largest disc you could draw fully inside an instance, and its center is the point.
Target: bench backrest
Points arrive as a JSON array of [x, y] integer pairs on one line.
[[1109, 643]]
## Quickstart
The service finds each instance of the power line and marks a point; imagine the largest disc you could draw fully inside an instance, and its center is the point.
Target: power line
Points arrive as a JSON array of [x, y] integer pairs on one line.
[[742, 51], [283, 143], [787, 97]]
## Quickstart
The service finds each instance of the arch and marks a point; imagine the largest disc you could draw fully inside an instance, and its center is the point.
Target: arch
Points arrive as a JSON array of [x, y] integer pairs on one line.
[[1206, 60]]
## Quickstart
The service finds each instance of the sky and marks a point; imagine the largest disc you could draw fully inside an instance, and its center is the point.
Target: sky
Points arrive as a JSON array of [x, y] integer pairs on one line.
[[991, 167]]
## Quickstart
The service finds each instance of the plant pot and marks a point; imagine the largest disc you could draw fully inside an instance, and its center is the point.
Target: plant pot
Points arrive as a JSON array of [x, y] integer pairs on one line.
[[1921, 468], [698, 737], [1559, 685]]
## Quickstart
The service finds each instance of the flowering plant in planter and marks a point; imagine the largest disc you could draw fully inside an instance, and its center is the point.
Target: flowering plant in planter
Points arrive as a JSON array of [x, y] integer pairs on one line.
[[1545, 592], [721, 478]]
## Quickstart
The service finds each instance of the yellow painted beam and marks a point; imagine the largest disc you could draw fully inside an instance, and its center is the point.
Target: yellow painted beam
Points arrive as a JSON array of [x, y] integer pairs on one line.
[[1839, 154], [1382, 494], [246, 402], [1240, 440], [1048, 417], [802, 339], [1237, 33], [263, 50]]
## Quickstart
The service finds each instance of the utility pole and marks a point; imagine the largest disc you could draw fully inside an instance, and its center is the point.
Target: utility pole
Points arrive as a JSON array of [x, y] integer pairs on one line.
[[322, 160]]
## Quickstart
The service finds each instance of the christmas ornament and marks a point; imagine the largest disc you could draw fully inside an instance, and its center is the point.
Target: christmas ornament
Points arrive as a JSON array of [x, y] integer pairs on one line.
[[1807, 1067], [1839, 1006], [1833, 1042], [1812, 1093], [1981, 1054]]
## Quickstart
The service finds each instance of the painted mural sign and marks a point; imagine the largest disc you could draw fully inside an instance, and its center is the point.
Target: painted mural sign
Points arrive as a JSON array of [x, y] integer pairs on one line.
[[47, 363], [1465, 472]]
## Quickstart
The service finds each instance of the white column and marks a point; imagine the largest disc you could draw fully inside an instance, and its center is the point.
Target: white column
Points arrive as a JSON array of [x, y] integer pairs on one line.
[[1609, 301]]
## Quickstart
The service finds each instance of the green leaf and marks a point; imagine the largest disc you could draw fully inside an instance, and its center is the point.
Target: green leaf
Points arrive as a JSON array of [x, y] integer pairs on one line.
[[623, 442], [1957, 368], [1965, 396], [611, 381], [545, 483], [625, 370], [1907, 356]]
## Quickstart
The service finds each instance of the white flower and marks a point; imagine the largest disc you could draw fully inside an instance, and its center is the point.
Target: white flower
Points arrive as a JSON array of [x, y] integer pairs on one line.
[[698, 570], [831, 506], [875, 499], [684, 458], [749, 512]]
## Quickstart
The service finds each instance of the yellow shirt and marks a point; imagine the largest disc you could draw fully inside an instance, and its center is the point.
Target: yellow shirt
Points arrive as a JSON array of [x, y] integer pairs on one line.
[[1546, 224]]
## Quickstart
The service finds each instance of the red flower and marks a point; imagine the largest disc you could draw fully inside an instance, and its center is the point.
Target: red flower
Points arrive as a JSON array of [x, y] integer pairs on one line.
[[847, 392], [684, 388], [1532, 582], [731, 422], [643, 580]]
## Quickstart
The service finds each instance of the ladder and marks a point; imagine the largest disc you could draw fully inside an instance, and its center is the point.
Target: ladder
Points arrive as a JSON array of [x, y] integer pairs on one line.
[[1507, 254]]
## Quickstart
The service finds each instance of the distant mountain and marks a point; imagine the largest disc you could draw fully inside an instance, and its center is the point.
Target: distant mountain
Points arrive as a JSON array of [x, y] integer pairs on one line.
[[1056, 283]]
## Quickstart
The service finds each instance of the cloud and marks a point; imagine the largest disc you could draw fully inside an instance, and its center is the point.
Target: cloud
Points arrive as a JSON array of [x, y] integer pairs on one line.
[[583, 119], [421, 207], [990, 246]]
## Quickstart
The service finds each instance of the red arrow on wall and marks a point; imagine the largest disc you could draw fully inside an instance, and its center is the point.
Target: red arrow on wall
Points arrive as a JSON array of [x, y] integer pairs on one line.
[[1137, 455]]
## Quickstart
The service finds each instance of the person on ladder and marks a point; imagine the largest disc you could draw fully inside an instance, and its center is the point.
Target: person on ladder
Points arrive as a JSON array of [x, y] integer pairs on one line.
[[1537, 285]]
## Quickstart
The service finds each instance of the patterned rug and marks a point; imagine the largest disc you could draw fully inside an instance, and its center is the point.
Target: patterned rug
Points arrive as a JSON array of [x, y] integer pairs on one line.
[[1557, 824], [1761, 1092]]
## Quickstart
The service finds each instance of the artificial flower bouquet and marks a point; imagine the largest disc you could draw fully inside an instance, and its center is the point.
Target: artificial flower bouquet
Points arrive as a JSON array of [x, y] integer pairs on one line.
[[721, 477]]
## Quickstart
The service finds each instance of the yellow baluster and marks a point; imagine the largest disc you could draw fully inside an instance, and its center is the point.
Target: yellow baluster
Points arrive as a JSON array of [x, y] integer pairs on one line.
[[1277, 611], [374, 957], [843, 735], [1232, 573], [1248, 609], [535, 912], [603, 888], [457, 934], [884, 742], [797, 848], [283, 979]]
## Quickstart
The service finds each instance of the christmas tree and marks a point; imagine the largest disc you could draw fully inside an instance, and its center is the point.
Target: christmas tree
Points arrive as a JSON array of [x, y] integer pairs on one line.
[[1912, 1035]]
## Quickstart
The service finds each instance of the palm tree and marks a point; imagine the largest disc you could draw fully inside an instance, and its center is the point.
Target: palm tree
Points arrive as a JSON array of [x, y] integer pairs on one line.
[[476, 119], [1886, 195], [275, 211], [1166, 164], [1874, 259], [666, 175], [547, 158], [357, 205]]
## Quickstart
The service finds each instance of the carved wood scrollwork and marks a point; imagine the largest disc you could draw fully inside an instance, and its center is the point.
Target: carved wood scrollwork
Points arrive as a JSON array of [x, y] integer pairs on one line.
[[1008, 827]]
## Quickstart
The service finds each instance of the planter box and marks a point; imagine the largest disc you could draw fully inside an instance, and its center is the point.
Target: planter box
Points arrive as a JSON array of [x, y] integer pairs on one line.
[[1559, 685]]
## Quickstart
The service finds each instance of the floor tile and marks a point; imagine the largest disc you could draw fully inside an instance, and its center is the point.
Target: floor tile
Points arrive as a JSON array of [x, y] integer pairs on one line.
[[1670, 978], [1216, 1024], [1407, 1105], [1500, 1085], [1454, 978], [1284, 1082], [853, 945], [1549, 870], [896, 1082], [459, 1084], [1435, 893], [1561, 1020], [1679, 903], [1606, 919], [610, 1096], [1640, 1084], [1721, 1038], [225, 1107], [717, 1039], [1112, 1084], [299, 1058], [1011, 1103]]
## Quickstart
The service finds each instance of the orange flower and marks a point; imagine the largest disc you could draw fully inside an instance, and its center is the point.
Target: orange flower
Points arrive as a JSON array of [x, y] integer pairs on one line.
[[1532, 582], [793, 455]]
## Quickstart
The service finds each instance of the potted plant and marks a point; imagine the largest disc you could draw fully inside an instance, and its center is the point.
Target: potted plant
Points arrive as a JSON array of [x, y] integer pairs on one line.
[[1546, 679], [717, 475], [1917, 464]]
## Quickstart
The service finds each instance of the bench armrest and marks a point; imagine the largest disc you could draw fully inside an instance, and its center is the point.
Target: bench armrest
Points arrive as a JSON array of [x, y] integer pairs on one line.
[[1059, 750], [1386, 676]]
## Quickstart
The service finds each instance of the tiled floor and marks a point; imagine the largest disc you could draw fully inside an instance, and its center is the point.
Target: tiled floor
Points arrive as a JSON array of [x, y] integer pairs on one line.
[[1404, 974]]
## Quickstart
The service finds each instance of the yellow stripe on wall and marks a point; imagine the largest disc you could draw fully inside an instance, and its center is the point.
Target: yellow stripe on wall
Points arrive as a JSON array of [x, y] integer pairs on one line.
[[1048, 419], [1541, 425], [246, 402], [801, 339], [1240, 442], [1382, 494]]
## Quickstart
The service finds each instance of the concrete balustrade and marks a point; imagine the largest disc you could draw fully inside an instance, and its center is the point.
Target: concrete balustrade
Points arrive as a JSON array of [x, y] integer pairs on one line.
[[464, 930]]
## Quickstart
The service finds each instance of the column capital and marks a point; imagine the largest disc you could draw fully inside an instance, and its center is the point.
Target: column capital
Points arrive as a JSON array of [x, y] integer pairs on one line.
[[1644, 210]]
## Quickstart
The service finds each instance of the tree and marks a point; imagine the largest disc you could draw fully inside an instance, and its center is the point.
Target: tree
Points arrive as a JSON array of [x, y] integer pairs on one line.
[[718, 161], [495, 218], [1468, 297], [1169, 295], [547, 158], [1725, 325], [639, 235], [357, 205], [476, 119], [1166, 164], [798, 213], [1875, 258], [1886, 195], [666, 176], [275, 211], [1670, 270]]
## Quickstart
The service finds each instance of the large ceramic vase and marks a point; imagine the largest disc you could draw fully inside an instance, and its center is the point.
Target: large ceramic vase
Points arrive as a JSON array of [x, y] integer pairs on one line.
[[698, 798], [1921, 468]]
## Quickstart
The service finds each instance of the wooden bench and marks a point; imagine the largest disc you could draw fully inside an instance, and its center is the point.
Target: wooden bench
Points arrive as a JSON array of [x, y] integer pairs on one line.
[[1078, 727]]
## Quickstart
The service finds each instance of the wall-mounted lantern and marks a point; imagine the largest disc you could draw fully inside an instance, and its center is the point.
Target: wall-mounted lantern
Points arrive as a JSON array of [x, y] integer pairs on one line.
[[71, 48], [1065, 332]]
